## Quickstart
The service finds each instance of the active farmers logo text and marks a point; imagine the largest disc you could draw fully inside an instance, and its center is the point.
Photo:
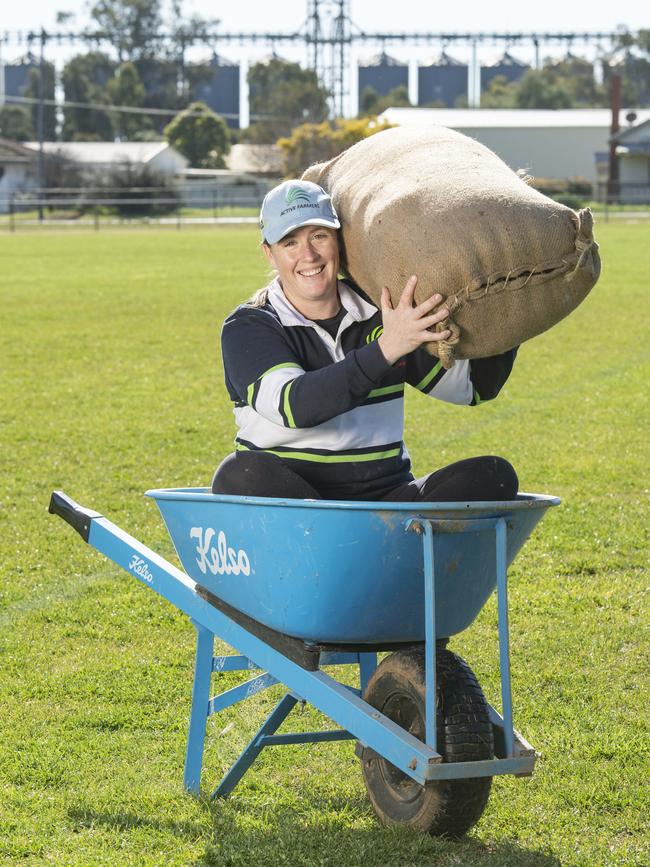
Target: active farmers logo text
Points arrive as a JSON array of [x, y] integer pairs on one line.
[[218, 559]]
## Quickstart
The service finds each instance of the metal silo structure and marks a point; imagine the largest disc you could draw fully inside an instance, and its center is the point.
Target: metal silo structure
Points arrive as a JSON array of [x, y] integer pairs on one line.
[[383, 73], [507, 66], [444, 80], [221, 90]]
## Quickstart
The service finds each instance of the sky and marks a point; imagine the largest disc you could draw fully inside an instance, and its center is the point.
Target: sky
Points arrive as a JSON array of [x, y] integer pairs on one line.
[[502, 16]]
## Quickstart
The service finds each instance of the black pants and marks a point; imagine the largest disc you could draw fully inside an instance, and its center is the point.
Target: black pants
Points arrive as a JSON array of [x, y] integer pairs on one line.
[[259, 474]]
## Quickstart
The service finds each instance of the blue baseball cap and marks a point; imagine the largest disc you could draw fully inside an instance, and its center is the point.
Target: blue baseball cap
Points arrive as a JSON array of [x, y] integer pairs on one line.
[[293, 204]]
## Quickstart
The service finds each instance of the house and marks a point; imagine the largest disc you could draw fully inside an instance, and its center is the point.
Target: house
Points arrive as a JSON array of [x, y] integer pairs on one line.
[[548, 144], [262, 160], [633, 154], [18, 171], [99, 156]]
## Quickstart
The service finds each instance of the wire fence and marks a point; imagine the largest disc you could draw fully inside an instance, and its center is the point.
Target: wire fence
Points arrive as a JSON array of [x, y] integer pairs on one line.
[[97, 207]]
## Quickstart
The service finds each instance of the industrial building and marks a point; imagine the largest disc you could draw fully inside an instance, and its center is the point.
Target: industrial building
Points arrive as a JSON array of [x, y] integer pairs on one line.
[[444, 80], [548, 144], [383, 74], [221, 91], [506, 66]]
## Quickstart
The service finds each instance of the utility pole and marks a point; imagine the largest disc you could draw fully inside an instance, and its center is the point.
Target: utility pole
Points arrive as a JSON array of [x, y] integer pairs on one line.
[[39, 123]]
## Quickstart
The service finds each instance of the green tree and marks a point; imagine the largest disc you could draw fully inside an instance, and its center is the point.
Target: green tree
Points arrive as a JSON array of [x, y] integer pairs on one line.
[[500, 93], [371, 103], [16, 123], [631, 60], [316, 142], [32, 91], [85, 79], [541, 89], [132, 26], [282, 95], [126, 89], [200, 135]]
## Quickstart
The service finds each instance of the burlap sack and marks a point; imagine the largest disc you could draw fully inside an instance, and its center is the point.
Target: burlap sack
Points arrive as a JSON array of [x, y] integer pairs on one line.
[[508, 261]]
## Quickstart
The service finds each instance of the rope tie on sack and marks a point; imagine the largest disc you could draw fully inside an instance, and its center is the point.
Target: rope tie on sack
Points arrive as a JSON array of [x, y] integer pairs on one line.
[[584, 240]]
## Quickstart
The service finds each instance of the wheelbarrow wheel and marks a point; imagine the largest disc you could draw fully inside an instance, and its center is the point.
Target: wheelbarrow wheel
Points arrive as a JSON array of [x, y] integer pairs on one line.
[[464, 733]]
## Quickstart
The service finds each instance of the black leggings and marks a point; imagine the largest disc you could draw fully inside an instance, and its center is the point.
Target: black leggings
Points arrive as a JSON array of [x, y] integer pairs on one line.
[[260, 474]]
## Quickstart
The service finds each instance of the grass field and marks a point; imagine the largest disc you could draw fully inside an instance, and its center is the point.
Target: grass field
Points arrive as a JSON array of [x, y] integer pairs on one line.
[[112, 385]]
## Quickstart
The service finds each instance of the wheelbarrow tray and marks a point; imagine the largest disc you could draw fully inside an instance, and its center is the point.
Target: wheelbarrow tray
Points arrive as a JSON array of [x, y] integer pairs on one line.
[[341, 572]]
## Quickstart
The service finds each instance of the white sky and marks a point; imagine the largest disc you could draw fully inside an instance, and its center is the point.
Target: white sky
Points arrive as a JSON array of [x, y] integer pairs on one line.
[[369, 15]]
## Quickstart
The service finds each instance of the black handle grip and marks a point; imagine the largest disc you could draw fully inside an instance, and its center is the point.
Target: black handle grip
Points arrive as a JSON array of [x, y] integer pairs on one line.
[[73, 513]]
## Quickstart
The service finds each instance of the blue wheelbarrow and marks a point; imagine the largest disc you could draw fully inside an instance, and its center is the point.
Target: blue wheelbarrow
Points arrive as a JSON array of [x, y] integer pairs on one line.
[[296, 586]]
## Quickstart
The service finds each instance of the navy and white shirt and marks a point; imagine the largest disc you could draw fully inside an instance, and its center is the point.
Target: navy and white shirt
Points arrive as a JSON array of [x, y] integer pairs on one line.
[[333, 407]]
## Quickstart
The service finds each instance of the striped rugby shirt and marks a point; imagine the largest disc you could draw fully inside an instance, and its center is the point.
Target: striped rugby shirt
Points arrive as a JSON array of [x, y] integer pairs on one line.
[[333, 408]]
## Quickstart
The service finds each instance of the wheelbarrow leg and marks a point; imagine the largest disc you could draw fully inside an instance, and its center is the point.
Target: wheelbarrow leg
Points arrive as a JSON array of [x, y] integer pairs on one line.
[[255, 746], [367, 664], [200, 709]]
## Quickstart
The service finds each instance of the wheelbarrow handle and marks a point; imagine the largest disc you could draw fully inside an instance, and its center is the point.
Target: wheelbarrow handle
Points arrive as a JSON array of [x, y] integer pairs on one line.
[[78, 517]]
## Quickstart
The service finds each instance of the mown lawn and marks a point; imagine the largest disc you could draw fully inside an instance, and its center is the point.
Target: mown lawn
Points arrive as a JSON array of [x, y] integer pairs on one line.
[[112, 385]]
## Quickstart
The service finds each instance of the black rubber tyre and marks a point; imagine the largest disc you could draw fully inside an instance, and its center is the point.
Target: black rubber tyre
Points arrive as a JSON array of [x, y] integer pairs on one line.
[[464, 732]]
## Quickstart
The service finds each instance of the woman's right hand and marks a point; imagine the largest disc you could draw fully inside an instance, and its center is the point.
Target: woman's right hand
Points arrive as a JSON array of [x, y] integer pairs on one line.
[[407, 327]]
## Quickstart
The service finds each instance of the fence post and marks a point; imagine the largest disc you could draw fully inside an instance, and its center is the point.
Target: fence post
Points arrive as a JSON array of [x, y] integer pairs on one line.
[[12, 224]]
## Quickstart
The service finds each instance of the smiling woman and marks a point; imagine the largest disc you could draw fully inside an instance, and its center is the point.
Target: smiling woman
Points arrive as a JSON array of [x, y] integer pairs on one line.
[[317, 373]]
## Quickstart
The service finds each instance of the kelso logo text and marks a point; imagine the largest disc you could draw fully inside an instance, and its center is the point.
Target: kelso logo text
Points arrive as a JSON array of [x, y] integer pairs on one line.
[[218, 559], [141, 568]]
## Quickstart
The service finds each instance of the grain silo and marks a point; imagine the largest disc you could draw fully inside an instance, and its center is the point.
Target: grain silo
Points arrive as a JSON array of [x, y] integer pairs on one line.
[[383, 74], [506, 66], [221, 90], [442, 82]]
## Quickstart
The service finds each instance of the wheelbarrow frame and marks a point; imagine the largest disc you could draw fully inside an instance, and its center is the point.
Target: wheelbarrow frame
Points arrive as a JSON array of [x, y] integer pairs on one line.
[[279, 660]]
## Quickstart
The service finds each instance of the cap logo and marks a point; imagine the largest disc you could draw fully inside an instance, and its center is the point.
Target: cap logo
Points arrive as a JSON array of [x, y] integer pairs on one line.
[[297, 194]]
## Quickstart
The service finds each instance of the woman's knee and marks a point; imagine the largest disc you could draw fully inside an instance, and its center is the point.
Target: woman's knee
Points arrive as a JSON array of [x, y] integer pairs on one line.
[[259, 474]]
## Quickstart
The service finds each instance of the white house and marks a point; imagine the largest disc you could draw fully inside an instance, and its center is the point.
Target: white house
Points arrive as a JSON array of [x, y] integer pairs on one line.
[[633, 153], [18, 171], [98, 156], [548, 144]]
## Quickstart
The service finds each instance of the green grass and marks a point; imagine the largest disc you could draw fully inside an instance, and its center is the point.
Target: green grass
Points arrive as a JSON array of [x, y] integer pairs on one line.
[[112, 385]]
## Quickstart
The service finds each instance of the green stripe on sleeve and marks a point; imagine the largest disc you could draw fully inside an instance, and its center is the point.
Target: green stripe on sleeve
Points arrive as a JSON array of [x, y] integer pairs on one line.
[[251, 387], [430, 375], [388, 389], [287, 408]]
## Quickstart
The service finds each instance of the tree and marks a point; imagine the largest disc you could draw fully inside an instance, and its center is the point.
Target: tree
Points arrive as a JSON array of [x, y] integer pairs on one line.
[[539, 89], [126, 89], [282, 95], [315, 142], [371, 103], [85, 79], [631, 60], [16, 123], [155, 194], [32, 91], [200, 135], [500, 93], [132, 26]]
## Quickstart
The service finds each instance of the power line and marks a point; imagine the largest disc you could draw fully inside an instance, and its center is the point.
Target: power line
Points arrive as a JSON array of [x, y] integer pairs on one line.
[[98, 106]]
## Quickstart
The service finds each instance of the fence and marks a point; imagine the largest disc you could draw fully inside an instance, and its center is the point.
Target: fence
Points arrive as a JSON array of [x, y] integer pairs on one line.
[[194, 202]]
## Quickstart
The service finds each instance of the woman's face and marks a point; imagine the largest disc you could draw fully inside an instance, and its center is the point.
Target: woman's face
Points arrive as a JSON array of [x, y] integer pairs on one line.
[[307, 262]]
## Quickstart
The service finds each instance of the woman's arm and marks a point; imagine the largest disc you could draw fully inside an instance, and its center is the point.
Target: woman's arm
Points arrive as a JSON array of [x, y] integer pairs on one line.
[[263, 371], [468, 382]]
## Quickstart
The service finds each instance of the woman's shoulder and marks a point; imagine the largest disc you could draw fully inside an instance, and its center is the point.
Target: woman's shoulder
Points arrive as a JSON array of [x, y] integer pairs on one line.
[[256, 309]]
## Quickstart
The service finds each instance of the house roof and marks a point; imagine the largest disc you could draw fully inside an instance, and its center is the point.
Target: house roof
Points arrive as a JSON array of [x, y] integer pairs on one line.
[[15, 152], [633, 141], [260, 159], [501, 118], [101, 152]]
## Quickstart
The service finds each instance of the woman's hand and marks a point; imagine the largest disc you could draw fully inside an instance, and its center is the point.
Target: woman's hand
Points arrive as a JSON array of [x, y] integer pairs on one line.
[[405, 326]]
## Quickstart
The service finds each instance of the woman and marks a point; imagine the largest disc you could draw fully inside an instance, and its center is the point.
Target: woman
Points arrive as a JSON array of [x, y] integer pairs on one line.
[[317, 376]]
